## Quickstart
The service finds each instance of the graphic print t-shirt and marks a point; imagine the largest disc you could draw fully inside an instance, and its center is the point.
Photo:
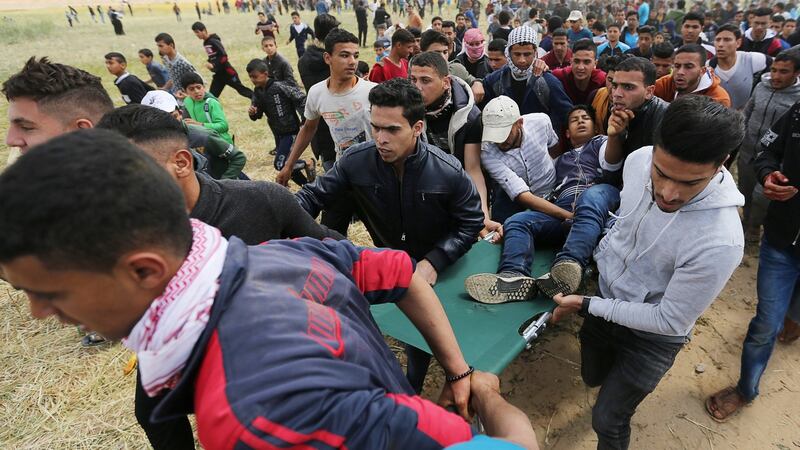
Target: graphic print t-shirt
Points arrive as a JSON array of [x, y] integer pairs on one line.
[[347, 113]]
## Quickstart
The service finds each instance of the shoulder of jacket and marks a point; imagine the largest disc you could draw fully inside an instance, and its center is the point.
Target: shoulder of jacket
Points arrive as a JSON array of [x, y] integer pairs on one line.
[[438, 155]]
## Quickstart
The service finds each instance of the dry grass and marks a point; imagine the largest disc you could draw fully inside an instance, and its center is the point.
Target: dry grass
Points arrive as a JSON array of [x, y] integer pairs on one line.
[[53, 393]]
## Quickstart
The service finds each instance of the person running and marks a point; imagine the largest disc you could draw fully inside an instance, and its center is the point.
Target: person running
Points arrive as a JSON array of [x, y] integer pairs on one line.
[[678, 220], [218, 63], [173, 289], [778, 169], [279, 68], [267, 26], [299, 32], [203, 108], [159, 75], [130, 86], [281, 103], [176, 64]]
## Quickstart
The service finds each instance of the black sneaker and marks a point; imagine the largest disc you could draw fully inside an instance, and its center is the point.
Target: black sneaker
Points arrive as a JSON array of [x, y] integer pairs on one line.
[[92, 340], [502, 287]]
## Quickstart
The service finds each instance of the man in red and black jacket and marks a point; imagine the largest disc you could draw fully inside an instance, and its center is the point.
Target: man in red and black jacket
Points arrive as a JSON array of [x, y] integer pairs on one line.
[[224, 73], [270, 346]]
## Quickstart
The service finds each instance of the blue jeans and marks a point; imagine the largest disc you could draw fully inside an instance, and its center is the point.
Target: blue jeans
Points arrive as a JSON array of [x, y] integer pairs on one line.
[[591, 212], [283, 146], [778, 274]]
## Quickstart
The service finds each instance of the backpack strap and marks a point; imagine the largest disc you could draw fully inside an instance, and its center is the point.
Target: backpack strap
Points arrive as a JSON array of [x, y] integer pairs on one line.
[[207, 110]]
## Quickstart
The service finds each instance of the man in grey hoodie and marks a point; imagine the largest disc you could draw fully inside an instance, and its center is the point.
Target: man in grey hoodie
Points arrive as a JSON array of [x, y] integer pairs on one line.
[[674, 245], [771, 98]]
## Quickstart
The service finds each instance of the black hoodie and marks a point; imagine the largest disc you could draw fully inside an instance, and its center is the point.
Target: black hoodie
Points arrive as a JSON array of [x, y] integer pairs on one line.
[[217, 55], [312, 70]]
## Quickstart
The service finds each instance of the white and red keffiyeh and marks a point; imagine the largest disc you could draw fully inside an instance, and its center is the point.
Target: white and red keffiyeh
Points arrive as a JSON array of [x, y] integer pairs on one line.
[[164, 337]]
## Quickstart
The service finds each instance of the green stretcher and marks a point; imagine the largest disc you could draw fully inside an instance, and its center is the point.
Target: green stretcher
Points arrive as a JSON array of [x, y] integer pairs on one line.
[[490, 336]]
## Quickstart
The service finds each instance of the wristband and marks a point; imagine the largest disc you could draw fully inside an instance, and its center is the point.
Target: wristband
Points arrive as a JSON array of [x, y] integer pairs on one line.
[[453, 378], [585, 306]]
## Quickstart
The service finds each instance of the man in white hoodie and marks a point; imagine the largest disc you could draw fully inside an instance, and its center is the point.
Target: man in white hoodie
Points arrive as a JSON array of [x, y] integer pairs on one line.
[[675, 243]]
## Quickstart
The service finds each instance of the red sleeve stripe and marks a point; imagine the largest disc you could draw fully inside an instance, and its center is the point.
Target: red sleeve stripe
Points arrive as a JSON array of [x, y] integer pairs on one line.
[[217, 425], [382, 270], [293, 437], [434, 421]]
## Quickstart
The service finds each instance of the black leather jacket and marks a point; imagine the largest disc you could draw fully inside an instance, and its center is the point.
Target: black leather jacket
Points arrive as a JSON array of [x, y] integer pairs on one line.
[[434, 212]]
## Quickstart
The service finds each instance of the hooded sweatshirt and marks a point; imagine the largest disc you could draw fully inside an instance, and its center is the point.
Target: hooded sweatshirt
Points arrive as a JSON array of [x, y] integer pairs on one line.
[[709, 86], [770, 45], [659, 271], [209, 113], [464, 118], [764, 108]]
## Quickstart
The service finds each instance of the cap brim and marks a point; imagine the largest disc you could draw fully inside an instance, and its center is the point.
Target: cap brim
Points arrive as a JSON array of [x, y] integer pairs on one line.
[[496, 134]]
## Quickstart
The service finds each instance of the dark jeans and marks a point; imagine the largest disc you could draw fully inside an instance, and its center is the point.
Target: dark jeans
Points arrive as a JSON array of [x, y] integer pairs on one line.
[[522, 229], [175, 434], [778, 277], [222, 79], [283, 146], [628, 367]]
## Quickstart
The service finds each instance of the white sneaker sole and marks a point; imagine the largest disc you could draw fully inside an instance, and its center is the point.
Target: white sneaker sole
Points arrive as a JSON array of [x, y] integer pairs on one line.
[[492, 289]]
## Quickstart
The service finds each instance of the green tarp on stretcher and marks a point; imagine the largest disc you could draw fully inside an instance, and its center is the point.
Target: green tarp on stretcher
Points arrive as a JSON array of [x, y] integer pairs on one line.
[[489, 335]]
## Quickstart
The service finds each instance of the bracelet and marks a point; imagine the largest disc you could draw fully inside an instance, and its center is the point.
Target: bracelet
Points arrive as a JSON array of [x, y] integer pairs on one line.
[[451, 379]]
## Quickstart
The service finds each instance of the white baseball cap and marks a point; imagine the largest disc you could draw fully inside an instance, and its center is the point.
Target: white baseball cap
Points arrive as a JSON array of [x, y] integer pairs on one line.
[[575, 15], [499, 116], [162, 100]]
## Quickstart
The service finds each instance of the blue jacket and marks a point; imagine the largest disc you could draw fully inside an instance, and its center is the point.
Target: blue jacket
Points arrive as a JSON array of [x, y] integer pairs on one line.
[[544, 94], [291, 355]]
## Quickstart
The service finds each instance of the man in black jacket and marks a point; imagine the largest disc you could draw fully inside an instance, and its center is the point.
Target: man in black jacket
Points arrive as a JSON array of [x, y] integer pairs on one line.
[[224, 73], [254, 211], [778, 169], [412, 196]]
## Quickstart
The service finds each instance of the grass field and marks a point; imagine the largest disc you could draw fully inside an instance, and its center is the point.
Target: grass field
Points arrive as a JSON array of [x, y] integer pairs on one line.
[[54, 394]]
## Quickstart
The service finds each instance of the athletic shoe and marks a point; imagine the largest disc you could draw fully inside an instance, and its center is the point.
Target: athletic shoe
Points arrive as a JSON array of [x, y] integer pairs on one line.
[[92, 340], [565, 278], [501, 287]]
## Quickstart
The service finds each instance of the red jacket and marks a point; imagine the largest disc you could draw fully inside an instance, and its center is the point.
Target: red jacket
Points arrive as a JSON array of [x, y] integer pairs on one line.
[[386, 70], [580, 97]]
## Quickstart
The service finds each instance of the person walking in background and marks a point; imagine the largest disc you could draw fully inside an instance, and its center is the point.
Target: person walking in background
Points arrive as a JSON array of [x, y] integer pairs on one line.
[[101, 14], [177, 10], [115, 17], [299, 32], [361, 19]]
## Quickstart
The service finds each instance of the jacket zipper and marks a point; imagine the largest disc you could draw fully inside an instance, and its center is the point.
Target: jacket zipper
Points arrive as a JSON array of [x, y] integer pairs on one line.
[[796, 237], [635, 239]]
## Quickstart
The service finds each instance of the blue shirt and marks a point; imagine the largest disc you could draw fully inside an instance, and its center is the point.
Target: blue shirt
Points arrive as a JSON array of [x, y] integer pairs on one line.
[[644, 13], [322, 7], [584, 33], [469, 14], [631, 39], [606, 48], [158, 73]]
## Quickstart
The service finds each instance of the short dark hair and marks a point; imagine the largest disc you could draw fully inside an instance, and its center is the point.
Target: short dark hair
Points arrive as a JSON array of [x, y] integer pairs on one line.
[[461, 15], [261, 13], [116, 56], [146, 125], [295, 13], [609, 63], [646, 29], [759, 12], [690, 119], [65, 92], [432, 37], [696, 16], [504, 17], [663, 50], [559, 32], [257, 65], [532, 13], [400, 92], [269, 38], [632, 13], [554, 23], [681, 4], [191, 78], [497, 45], [582, 107], [324, 24], [165, 38], [146, 52], [448, 24], [362, 69], [435, 18], [339, 36], [601, 28], [584, 44], [737, 33], [416, 32], [639, 64], [432, 60], [129, 202], [791, 55], [693, 48], [400, 36], [198, 26], [777, 18]]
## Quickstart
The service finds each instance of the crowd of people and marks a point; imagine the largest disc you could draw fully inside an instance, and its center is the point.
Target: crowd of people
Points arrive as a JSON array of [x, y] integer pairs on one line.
[[603, 130]]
